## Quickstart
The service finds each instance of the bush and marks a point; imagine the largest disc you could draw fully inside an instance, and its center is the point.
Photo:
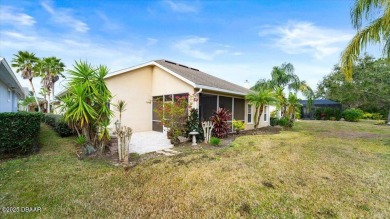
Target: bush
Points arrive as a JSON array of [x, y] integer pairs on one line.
[[352, 115], [285, 122], [238, 125], [274, 121], [221, 126], [19, 132], [215, 141], [57, 122]]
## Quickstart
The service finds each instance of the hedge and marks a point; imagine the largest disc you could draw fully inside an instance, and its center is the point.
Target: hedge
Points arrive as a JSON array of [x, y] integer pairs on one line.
[[19, 132], [57, 122]]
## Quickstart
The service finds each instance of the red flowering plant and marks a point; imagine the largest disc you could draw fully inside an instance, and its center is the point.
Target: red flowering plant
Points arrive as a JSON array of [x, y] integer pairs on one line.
[[220, 120], [174, 114]]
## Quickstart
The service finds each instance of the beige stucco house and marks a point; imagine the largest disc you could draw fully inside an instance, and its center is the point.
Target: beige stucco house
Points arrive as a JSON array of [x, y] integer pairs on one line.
[[138, 86]]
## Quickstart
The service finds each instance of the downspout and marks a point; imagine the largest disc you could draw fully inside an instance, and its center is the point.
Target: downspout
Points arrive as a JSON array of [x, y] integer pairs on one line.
[[196, 95]]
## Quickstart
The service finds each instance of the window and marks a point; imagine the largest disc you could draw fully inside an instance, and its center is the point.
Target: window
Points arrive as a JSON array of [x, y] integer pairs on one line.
[[249, 113], [239, 109], [265, 113]]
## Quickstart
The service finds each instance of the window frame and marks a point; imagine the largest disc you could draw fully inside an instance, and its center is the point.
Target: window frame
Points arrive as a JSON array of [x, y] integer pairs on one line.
[[249, 114], [265, 114]]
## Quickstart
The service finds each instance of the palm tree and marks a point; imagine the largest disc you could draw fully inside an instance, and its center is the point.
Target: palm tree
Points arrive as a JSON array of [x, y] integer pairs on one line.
[[259, 99], [25, 62], [378, 31], [293, 105], [120, 106], [50, 68]]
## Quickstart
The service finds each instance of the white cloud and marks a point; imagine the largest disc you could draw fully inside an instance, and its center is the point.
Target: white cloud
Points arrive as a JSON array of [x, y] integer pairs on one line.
[[181, 7], [12, 16], [193, 47], [107, 23], [305, 37], [63, 16], [17, 35], [151, 41]]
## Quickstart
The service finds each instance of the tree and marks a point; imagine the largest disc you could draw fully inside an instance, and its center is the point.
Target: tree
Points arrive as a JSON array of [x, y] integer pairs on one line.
[[50, 69], [25, 62], [293, 106], [259, 99], [120, 106], [369, 88], [377, 31], [86, 104]]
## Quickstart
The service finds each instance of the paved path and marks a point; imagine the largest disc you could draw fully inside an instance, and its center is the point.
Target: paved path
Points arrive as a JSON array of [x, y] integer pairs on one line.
[[145, 142]]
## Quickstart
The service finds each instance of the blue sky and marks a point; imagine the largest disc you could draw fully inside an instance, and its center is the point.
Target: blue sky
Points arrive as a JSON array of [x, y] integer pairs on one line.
[[234, 40]]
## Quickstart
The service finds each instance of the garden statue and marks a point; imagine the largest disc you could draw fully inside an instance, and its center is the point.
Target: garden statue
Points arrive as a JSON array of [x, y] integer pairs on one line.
[[207, 128]]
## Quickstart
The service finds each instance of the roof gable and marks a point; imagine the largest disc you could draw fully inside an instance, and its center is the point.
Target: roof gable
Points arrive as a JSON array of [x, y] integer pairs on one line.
[[192, 76]]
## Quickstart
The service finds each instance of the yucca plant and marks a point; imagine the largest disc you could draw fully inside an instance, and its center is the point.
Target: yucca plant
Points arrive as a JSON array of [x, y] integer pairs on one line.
[[220, 119]]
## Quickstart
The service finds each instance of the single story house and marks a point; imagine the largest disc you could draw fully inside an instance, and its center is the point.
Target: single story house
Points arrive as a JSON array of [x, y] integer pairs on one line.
[[322, 103], [10, 89], [141, 85]]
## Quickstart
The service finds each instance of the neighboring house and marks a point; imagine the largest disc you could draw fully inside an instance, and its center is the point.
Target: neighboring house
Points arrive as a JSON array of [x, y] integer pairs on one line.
[[10, 89], [141, 85], [310, 114]]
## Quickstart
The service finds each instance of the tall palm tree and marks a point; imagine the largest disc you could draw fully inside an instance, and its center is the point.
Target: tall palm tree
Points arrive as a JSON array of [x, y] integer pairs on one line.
[[260, 99], [25, 62], [50, 68], [377, 31]]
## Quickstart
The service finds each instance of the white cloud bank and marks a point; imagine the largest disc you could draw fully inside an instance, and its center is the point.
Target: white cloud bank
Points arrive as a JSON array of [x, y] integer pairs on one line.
[[305, 37], [64, 17], [11, 15]]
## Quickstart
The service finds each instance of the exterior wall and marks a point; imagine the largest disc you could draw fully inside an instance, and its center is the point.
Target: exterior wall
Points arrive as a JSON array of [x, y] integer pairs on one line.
[[8, 99], [165, 83], [262, 122], [137, 88]]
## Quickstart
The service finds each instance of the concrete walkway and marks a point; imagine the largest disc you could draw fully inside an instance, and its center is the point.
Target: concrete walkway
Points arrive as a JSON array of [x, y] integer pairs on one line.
[[145, 142]]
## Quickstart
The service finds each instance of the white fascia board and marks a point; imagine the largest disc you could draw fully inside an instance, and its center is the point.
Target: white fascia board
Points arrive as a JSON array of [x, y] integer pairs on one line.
[[176, 75], [220, 90], [148, 64], [128, 69], [16, 81]]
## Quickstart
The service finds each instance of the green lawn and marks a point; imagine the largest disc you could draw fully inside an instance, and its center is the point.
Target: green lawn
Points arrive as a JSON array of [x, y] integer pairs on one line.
[[318, 169]]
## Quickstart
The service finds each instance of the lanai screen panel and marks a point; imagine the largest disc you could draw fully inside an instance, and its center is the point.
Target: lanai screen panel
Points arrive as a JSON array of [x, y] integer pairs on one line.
[[239, 109], [226, 103], [207, 106]]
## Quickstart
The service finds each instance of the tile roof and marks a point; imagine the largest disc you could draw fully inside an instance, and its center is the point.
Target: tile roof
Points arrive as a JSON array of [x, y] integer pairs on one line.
[[201, 79]]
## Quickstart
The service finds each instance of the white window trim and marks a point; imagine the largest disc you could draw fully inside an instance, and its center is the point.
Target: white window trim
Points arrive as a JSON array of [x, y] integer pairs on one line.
[[251, 114], [265, 114]]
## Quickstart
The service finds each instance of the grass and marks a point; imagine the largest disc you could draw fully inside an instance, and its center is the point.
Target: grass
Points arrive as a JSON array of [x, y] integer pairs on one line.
[[319, 169]]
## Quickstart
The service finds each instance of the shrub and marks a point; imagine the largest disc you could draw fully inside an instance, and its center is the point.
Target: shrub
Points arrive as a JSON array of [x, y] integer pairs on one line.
[[19, 132], [318, 113], [238, 125], [274, 121], [221, 126], [377, 116], [337, 114], [285, 122], [57, 122], [353, 115], [194, 124], [215, 141], [328, 112]]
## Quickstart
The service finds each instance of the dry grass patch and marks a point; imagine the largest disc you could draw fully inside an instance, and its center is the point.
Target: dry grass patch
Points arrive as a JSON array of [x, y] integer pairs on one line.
[[298, 173]]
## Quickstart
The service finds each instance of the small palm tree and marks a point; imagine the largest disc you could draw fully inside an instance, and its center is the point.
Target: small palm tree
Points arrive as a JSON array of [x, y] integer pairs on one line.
[[293, 105], [259, 99], [120, 106], [25, 62]]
